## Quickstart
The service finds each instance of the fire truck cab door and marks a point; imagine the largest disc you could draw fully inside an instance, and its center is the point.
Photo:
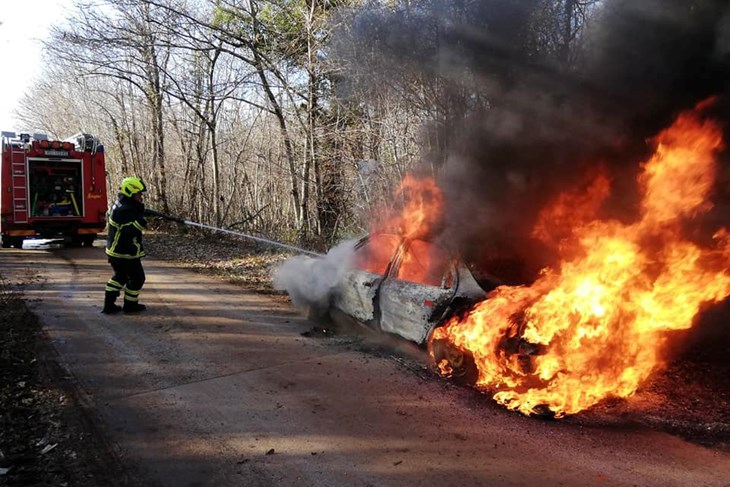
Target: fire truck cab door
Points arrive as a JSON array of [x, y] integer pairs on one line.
[[421, 283]]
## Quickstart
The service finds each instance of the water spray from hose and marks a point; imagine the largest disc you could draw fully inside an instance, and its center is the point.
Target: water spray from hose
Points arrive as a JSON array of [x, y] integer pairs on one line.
[[231, 232]]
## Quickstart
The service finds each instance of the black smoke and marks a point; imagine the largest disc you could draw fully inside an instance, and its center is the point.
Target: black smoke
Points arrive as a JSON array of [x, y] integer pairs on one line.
[[520, 115]]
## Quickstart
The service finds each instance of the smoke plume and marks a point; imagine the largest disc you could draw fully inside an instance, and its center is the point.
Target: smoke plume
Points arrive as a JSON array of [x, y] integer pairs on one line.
[[521, 116]]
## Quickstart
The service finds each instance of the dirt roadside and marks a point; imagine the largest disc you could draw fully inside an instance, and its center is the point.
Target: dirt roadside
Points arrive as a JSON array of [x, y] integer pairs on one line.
[[690, 399], [47, 435]]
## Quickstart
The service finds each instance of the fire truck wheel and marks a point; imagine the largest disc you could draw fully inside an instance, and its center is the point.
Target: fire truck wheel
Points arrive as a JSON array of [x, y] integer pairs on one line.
[[17, 243], [5, 243], [88, 240], [74, 242]]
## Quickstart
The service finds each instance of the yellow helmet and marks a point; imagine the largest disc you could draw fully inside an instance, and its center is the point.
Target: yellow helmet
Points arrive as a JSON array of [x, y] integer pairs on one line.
[[132, 185]]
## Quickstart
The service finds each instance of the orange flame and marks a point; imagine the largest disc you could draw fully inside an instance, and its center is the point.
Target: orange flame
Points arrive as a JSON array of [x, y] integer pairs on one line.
[[600, 315], [420, 214], [421, 211]]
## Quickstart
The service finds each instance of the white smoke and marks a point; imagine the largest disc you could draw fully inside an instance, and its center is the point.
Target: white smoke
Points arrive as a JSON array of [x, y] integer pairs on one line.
[[311, 280]]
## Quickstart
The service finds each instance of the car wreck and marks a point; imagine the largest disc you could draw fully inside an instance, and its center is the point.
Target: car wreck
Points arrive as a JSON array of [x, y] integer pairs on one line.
[[405, 286]]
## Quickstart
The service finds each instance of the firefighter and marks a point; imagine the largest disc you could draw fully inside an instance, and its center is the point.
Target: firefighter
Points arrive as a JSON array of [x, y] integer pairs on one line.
[[124, 248]]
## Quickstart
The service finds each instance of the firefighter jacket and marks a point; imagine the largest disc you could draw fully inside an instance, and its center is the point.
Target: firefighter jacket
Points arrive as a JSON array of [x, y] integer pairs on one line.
[[126, 222]]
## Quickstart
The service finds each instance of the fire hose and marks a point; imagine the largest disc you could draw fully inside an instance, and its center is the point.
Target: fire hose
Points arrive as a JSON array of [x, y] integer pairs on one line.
[[266, 241]]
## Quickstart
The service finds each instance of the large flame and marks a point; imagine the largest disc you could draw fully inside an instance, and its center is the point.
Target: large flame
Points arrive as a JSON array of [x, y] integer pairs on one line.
[[598, 319], [418, 213]]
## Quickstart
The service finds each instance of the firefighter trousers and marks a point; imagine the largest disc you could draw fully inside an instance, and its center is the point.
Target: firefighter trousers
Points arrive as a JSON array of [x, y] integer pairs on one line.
[[128, 275]]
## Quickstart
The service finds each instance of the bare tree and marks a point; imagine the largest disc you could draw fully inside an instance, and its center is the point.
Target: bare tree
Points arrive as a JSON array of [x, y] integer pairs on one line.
[[292, 116], [120, 39]]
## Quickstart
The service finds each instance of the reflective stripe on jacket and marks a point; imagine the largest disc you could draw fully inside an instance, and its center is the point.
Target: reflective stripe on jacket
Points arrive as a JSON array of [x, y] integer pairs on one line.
[[126, 222]]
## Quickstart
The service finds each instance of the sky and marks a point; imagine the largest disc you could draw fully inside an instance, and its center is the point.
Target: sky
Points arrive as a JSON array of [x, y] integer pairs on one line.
[[23, 25]]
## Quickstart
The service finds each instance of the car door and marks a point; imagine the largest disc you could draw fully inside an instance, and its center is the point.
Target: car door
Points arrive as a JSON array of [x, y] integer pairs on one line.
[[421, 281], [356, 292]]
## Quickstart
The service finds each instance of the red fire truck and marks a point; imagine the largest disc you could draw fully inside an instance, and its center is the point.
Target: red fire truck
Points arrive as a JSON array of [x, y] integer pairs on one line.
[[51, 188]]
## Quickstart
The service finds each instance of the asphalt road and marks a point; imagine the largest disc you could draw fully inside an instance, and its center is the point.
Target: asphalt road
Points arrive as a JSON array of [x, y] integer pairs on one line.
[[216, 386]]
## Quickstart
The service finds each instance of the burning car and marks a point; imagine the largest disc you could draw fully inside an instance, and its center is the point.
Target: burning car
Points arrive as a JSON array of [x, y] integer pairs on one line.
[[593, 322], [405, 286]]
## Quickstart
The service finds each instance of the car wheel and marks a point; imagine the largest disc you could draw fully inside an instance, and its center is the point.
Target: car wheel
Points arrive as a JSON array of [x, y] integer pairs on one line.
[[454, 363]]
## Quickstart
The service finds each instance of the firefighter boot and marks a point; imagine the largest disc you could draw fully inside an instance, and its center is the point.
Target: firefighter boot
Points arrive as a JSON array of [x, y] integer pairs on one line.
[[109, 306], [133, 306], [131, 301]]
